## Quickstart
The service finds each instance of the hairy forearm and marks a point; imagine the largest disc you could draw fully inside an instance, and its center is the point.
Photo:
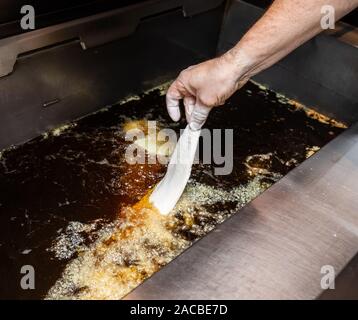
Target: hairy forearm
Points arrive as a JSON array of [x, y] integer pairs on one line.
[[285, 26]]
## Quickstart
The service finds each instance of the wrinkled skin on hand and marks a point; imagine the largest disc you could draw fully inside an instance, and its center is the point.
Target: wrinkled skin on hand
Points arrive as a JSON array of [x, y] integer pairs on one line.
[[202, 86]]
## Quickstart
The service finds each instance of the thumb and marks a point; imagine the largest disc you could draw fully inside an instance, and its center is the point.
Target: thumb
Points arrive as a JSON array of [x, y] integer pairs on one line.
[[198, 116]]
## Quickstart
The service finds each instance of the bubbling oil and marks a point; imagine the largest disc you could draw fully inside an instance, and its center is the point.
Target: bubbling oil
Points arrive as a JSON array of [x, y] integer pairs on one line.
[[138, 244], [141, 241], [123, 258]]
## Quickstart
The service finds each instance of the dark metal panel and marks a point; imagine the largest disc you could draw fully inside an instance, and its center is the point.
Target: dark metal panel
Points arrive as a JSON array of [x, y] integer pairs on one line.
[[94, 30], [83, 81], [276, 246], [49, 13], [322, 74]]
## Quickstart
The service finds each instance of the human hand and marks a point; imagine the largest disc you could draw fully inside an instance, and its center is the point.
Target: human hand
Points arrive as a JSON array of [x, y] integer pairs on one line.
[[202, 87]]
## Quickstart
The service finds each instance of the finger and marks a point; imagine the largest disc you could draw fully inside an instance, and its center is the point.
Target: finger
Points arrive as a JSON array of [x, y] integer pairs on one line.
[[198, 116], [189, 102], [174, 95]]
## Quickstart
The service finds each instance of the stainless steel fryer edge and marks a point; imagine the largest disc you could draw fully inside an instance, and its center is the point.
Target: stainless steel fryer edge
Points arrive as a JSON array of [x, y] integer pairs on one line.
[[275, 247]]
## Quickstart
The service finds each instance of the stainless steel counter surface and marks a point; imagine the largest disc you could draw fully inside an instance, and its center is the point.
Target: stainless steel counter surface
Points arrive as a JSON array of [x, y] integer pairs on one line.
[[276, 246]]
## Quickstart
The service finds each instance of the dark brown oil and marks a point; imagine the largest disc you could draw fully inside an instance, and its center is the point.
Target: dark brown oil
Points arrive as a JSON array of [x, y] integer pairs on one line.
[[81, 176]]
